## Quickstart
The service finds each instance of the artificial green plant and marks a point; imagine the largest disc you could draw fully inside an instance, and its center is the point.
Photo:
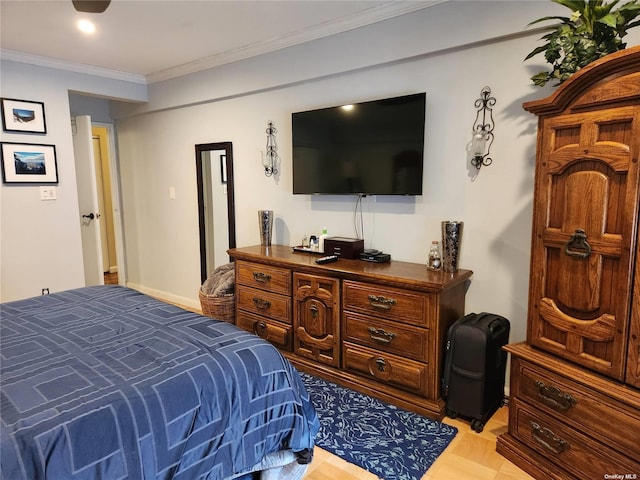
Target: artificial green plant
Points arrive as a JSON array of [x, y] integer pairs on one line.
[[593, 30]]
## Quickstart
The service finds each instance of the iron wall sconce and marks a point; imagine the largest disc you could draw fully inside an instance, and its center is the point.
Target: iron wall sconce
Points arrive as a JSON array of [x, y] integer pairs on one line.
[[271, 159], [480, 145]]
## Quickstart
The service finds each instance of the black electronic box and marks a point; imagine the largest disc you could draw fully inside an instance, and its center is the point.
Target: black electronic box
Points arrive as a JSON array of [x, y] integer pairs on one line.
[[377, 257]]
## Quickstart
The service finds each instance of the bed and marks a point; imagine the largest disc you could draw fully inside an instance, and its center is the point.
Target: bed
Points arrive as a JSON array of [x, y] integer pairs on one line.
[[108, 383]]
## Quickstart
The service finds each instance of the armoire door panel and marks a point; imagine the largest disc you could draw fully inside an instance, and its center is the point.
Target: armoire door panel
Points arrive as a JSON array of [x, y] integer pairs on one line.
[[580, 286], [590, 188], [617, 156], [581, 172], [587, 193], [600, 329]]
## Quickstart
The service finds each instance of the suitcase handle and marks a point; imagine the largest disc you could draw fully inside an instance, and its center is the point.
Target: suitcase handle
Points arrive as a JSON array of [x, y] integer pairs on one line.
[[497, 327]]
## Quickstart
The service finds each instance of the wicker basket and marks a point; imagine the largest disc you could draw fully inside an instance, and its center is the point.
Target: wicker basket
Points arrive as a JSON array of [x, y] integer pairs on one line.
[[219, 307]]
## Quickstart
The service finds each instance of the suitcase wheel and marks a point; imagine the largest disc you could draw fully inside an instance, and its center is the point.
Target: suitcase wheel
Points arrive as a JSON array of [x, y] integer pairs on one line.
[[477, 425], [451, 413]]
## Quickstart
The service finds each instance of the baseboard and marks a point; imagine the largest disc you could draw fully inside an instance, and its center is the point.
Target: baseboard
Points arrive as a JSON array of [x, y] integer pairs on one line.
[[113, 269], [166, 296]]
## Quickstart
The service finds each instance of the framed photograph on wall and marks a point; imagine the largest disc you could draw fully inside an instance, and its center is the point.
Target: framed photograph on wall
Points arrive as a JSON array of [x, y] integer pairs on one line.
[[29, 163], [23, 116]]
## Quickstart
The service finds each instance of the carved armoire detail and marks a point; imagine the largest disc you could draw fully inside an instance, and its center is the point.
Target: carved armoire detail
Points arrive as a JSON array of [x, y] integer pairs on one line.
[[575, 398]]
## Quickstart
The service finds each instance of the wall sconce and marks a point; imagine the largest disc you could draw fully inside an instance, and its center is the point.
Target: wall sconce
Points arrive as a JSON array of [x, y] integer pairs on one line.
[[271, 159], [480, 145]]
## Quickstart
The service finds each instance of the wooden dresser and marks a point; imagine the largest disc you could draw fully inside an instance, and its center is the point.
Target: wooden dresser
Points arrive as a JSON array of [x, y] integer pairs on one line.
[[575, 382], [376, 328]]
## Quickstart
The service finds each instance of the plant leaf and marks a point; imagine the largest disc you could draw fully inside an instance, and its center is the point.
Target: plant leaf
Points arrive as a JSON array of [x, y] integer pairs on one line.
[[544, 19], [536, 51], [609, 20], [540, 79]]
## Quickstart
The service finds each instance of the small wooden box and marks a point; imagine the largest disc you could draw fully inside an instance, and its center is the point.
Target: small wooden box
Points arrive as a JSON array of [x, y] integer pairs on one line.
[[344, 247]]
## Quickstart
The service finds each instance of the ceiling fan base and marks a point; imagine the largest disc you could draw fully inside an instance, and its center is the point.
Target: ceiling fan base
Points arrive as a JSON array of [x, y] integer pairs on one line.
[[90, 6]]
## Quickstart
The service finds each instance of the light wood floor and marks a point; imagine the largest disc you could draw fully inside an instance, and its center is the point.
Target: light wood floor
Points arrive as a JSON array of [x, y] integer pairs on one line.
[[469, 456], [112, 279]]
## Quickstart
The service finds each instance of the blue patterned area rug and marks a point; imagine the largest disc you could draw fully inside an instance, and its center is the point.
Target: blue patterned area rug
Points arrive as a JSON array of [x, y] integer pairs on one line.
[[383, 439]]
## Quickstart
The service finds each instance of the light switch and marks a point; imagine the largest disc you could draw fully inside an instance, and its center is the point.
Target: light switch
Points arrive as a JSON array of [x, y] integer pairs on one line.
[[47, 193], [172, 193]]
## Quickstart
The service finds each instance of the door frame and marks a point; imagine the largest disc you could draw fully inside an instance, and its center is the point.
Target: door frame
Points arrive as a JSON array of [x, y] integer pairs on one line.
[[116, 201]]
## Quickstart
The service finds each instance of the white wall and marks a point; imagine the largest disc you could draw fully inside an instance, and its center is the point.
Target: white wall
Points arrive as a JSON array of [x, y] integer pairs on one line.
[[40, 240]]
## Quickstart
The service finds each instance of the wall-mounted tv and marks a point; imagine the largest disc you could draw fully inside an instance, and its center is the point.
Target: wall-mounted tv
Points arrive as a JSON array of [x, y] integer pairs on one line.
[[368, 148]]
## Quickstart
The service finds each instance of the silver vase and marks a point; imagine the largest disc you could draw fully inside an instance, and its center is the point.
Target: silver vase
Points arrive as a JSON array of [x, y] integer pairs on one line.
[[451, 239], [265, 224]]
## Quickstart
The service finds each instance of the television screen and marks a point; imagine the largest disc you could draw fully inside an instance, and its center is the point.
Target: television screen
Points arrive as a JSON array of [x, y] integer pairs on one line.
[[369, 148]]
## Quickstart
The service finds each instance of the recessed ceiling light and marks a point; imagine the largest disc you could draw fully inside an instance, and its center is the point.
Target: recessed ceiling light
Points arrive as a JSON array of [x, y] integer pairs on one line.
[[86, 26]]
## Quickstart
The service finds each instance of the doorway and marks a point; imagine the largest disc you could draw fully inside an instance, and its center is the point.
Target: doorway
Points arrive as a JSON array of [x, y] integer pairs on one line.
[[114, 267], [99, 202], [102, 162]]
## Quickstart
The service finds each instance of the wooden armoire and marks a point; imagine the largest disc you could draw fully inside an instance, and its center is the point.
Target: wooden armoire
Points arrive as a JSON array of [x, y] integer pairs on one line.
[[575, 383]]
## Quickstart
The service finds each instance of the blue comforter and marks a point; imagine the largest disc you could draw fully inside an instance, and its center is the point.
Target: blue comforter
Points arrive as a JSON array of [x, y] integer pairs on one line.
[[108, 383]]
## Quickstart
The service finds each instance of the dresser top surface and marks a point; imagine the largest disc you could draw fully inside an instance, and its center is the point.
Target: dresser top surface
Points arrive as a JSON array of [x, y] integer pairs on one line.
[[406, 274]]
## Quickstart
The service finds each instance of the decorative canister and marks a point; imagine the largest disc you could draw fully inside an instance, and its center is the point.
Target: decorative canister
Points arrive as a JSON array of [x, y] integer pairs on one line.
[[451, 239], [265, 223]]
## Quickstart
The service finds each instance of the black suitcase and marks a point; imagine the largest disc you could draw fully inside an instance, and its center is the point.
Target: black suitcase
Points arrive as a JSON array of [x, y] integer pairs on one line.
[[474, 367]]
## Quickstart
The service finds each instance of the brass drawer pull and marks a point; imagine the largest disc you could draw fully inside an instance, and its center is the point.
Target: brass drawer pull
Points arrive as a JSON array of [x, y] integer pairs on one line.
[[381, 364], [261, 303], [579, 240], [548, 439], [261, 277], [381, 302], [554, 397], [380, 335]]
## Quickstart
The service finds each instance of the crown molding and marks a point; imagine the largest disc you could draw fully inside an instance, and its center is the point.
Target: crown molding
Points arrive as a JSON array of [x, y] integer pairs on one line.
[[373, 15], [58, 64], [361, 19]]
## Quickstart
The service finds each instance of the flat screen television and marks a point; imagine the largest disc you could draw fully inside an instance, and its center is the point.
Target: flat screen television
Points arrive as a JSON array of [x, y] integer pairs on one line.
[[368, 148]]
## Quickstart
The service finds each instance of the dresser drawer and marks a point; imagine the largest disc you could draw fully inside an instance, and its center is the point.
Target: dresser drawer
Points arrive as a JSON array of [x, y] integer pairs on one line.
[[569, 449], [384, 367], [264, 277], [392, 337], [278, 334], [264, 304], [389, 303], [579, 406]]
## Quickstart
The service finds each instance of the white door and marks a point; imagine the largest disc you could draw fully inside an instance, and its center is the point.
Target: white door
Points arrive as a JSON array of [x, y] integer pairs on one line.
[[89, 213]]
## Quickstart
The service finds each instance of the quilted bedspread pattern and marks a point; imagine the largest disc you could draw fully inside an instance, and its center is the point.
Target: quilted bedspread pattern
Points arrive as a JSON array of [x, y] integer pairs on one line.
[[108, 383]]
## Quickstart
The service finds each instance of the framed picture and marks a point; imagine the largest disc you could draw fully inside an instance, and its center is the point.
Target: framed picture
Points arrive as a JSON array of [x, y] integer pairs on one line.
[[29, 163], [23, 116]]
